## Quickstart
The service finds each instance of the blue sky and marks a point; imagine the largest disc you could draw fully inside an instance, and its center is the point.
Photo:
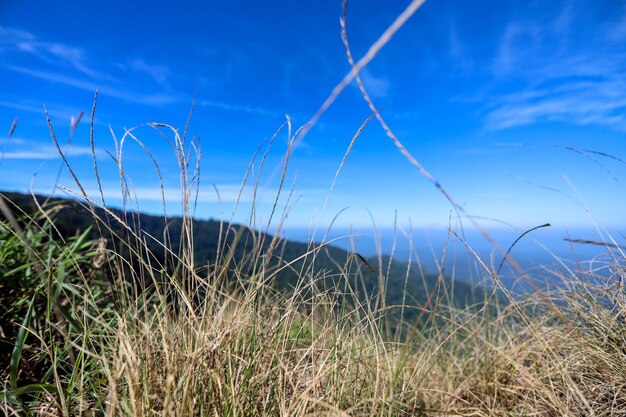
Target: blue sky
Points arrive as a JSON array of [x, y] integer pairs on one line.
[[488, 96]]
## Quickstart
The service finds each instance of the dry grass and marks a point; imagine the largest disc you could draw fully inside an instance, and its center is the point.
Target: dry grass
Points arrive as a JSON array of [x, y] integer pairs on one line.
[[107, 331], [222, 341]]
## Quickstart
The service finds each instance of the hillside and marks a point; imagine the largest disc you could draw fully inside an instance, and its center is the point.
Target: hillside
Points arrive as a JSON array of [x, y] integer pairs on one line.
[[403, 285], [78, 337]]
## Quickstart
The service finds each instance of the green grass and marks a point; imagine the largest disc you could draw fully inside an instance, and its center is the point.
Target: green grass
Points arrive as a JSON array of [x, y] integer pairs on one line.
[[92, 330], [98, 328]]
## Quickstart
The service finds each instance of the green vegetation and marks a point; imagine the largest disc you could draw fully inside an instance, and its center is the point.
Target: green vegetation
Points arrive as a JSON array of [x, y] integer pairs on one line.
[[106, 312], [72, 218], [95, 328]]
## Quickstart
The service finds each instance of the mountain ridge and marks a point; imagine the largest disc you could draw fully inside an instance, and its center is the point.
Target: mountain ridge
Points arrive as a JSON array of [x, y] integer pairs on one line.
[[402, 285]]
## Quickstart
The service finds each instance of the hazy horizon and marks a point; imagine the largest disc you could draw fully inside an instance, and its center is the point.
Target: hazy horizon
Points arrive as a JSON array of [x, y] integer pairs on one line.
[[541, 253]]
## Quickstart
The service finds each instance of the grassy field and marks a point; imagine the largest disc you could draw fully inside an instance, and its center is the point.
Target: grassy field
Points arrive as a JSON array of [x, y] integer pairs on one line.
[[107, 327], [94, 328]]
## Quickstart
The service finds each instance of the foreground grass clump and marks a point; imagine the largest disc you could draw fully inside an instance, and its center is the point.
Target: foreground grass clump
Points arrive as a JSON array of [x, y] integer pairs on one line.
[[133, 323], [87, 331]]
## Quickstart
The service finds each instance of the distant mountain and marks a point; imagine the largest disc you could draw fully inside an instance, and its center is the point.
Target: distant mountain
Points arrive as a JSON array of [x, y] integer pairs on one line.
[[210, 237]]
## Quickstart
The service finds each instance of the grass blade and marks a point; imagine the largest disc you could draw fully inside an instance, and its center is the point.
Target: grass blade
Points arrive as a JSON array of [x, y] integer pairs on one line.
[[16, 356]]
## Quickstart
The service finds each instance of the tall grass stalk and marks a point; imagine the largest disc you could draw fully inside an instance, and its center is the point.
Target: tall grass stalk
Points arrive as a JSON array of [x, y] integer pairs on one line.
[[112, 326], [107, 331]]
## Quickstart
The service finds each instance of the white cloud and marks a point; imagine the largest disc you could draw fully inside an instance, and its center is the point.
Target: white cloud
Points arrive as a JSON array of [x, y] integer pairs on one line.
[[155, 99], [9, 36], [23, 107], [519, 41], [58, 112], [54, 53], [235, 108], [376, 86], [28, 150], [461, 60], [563, 71], [54, 77], [228, 193], [54, 60], [158, 73], [12, 140], [587, 106]]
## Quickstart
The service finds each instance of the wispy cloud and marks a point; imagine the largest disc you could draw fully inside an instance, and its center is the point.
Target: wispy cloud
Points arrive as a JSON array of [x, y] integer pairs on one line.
[[54, 59], [13, 140], [158, 73], [60, 111], [30, 150], [376, 86], [599, 103], [126, 95], [133, 80], [475, 151], [520, 43], [559, 69], [236, 108], [54, 53], [9, 35], [54, 77], [226, 193], [457, 51]]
